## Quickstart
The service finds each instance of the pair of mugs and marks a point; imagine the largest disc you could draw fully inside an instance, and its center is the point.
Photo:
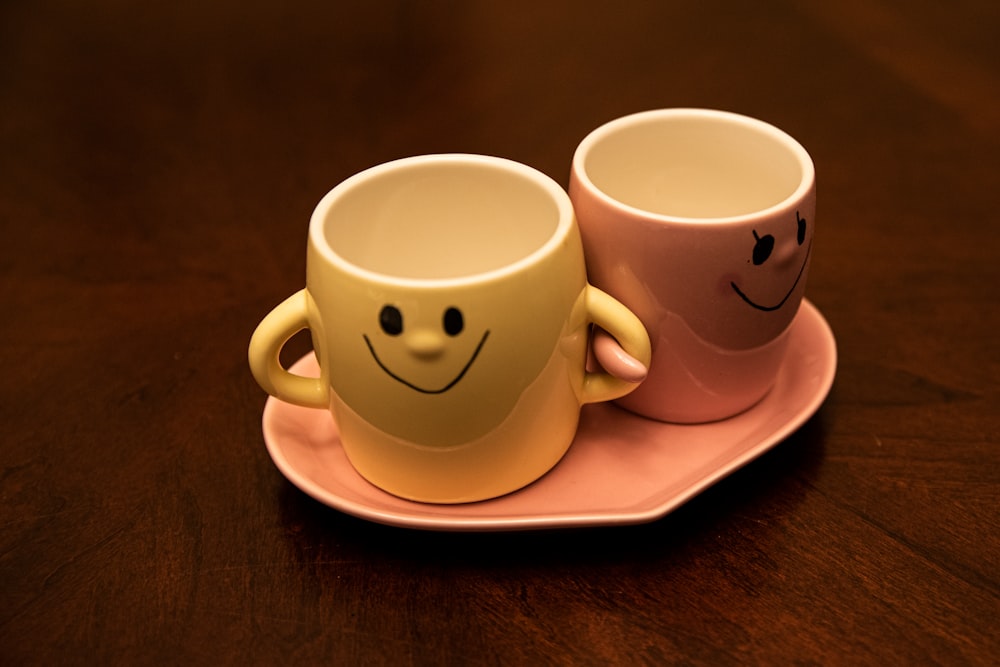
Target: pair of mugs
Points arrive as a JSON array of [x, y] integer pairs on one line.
[[463, 308]]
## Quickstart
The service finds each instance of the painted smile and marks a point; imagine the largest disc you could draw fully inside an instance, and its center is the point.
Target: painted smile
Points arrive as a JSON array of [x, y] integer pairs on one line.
[[409, 384], [785, 298]]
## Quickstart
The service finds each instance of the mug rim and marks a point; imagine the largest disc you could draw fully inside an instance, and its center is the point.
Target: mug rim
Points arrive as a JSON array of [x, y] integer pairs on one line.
[[609, 129], [564, 225]]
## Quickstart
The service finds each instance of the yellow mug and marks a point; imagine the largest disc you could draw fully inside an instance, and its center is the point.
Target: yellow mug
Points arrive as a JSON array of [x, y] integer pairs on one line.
[[450, 313]]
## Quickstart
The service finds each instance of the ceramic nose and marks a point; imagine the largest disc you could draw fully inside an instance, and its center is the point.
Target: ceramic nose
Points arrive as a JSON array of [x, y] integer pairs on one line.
[[785, 252], [425, 343]]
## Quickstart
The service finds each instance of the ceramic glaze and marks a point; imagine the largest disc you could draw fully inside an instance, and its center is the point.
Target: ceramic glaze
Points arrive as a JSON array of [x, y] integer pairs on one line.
[[450, 313], [701, 222]]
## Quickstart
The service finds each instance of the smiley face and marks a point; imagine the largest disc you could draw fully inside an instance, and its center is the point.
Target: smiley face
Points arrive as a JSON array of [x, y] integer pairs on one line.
[[763, 250], [423, 345], [728, 287], [439, 367]]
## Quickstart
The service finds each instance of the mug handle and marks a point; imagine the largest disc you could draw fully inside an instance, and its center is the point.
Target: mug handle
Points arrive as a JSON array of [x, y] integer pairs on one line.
[[609, 314], [288, 318]]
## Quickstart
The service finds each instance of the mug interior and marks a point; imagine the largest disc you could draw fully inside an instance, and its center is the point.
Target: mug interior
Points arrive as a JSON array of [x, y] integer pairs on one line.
[[694, 164], [440, 217]]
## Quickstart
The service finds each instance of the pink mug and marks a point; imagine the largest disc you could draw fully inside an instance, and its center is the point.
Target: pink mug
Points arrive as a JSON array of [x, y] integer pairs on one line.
[[701, 223]]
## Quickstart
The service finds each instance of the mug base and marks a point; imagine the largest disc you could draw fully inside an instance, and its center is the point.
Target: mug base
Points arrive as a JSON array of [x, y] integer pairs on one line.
[[694, 416], [692, 382], [528, 443]]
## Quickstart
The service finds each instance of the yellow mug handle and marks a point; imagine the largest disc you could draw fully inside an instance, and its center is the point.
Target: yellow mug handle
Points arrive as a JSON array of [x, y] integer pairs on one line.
[[288, 318], [608, 313]]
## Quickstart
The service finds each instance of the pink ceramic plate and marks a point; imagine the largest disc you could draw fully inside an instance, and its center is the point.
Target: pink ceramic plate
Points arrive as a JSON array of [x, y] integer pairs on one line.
[[621, 469]]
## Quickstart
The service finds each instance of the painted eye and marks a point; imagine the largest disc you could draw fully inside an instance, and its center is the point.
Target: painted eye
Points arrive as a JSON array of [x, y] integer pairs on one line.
[[802, 227], [391, 320], [762, 249], [453, 321]]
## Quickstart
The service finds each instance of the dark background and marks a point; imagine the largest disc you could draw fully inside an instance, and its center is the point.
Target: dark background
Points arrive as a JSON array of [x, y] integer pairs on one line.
[[158, 165]]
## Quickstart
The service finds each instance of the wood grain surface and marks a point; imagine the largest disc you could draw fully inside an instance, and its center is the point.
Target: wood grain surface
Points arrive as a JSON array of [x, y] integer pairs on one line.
[[158, 165]]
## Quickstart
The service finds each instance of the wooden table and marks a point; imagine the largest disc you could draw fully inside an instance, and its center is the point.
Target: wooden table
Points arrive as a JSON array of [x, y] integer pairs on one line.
[[158, 166]]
